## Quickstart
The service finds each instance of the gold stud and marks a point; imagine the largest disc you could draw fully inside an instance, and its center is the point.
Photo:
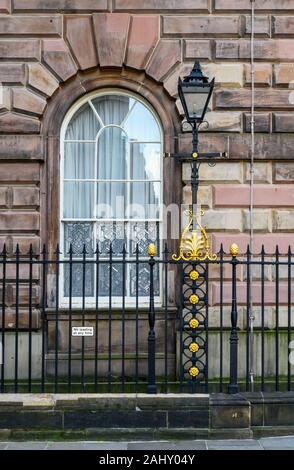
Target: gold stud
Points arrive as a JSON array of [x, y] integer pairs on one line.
[[193, 347], [234, 250], [194, 371], [195, 154], [194, 275], [194, 299], [152, 250], [193, 323]]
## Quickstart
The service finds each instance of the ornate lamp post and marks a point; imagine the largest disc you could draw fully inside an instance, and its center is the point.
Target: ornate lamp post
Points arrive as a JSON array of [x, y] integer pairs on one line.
[[195, 92]]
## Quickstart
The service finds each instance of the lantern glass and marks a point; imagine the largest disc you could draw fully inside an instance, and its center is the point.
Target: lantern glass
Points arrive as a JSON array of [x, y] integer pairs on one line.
[[196, 98]]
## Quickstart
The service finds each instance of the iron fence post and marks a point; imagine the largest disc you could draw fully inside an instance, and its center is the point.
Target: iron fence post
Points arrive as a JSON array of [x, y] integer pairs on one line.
[[151, 388], [233, 385]]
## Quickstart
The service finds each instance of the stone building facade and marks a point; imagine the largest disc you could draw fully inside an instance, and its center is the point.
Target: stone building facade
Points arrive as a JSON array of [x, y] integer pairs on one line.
[[53, 52]]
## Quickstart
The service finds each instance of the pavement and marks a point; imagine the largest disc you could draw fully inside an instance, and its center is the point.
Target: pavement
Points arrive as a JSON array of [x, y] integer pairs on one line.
[[268, 443]]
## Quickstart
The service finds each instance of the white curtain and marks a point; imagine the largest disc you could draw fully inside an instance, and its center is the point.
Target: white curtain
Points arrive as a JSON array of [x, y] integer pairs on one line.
[[110, 163]]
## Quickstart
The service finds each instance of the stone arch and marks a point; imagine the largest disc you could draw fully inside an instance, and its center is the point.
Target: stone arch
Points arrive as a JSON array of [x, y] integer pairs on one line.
[[61, 101]]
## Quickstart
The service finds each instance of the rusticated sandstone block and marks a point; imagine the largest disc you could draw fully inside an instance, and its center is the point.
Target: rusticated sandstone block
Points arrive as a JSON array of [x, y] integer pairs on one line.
[[261, 25], [260, 5], [232, 172], [230, 75], [166, 55], [24, 243], [24, 295], [18, 147], [31, 25], [223, 220], [143, 37], [269, 49], [284, 172], [267, 146], [198, 49], [19, 172], [264, 196], [170, 5], [40, 79], [3, 193], [262, 122], [15, 220], [185, 26], [262, 220], [221, 122], [79, 34], [5, 99], [263, 98], [111, 32], [269, 240], [262, 172], [12, 123], [204, 195], [25, 100], [283, 122], [242, 295], [283, 25], [57, 5], [12, 74], [57, 57], [283, 220], [225, 74], [25, 196], [284, 74], [262, 74], [5, 6], [19, 49]]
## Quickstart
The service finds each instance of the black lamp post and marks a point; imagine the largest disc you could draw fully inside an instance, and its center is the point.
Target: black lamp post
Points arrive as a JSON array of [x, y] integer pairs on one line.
[[195, 92]]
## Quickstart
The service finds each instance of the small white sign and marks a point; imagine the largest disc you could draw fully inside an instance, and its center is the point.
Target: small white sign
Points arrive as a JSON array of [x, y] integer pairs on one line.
[[82, 331]]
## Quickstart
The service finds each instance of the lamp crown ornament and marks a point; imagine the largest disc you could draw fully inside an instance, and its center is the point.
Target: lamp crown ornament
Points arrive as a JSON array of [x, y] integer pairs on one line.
[[196, 75]]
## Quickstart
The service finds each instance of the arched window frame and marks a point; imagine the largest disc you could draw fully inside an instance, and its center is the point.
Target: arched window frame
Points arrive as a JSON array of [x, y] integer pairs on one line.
[[91, 301]]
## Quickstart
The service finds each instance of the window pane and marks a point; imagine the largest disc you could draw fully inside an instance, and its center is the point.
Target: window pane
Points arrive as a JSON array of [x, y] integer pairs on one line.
[[81, 279], [141, 235], [78, 234], [141, 125], [145, 161], [116, 275], [143, 280], [111, 233], [78, 200], [112, 154], [79, 160], [111, 200], [84, 125], [145, 199], [112, 109]]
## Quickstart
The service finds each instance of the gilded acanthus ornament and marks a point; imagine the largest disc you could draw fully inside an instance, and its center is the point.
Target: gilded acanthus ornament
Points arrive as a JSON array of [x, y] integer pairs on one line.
[[194, 243]]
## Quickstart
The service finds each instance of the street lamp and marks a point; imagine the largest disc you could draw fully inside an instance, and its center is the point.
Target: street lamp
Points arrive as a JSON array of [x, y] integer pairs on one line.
[[195, 92]]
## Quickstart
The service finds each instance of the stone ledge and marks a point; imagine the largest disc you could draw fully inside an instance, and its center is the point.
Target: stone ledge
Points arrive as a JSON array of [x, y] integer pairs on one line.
[[171, 416]]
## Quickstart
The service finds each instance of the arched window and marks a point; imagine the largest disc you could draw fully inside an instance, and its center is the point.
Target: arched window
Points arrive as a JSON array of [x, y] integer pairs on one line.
[[111, 189]]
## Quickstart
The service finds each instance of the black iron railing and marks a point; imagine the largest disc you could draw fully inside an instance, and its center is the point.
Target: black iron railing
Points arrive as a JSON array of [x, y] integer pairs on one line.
[[80, 322]]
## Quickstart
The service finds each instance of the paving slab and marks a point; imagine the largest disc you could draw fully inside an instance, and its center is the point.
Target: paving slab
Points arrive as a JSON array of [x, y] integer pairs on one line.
[[180, 445], [64, 446], [105, 445], [234, 444], [26, 446], [276, 443]]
